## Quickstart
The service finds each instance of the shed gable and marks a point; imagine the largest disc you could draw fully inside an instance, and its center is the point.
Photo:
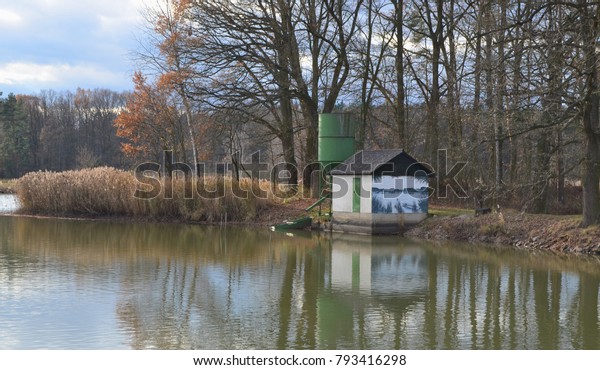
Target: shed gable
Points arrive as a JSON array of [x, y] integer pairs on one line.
[[389, 162]]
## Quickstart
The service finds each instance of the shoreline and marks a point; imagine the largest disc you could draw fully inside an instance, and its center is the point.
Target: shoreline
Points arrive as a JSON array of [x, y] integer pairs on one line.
[[275, 214], [558, 234], [554, 233]]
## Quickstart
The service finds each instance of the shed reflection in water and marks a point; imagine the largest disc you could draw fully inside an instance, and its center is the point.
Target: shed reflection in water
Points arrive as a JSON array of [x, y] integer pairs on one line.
[[189, 286]]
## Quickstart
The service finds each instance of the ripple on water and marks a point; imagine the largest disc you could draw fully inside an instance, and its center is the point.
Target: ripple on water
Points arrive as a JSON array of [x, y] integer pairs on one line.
[[72, 284]]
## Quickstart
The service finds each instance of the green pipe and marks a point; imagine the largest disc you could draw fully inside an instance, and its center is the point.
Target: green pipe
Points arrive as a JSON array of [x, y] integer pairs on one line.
[[321, 200]]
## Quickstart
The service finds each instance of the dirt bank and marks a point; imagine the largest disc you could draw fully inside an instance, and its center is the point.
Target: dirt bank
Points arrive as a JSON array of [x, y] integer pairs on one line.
[[549, 232]]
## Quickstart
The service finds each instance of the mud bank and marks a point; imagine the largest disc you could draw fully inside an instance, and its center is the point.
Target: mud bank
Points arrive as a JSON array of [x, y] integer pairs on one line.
[[531, 231]]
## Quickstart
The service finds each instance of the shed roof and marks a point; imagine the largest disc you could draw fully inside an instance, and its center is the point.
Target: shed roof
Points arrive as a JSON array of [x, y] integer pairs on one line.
[[391, 162]]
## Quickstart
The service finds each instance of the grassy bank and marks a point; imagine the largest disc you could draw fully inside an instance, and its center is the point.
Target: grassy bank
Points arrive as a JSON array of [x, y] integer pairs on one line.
[[534, 231], [107, 191]]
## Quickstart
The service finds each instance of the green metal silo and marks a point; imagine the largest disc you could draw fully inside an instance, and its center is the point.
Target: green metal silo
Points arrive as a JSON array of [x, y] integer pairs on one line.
[[336, 138], [336, 144]]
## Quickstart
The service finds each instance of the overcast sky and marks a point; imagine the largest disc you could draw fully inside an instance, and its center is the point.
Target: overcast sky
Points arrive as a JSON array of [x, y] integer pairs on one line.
[[65, 44]]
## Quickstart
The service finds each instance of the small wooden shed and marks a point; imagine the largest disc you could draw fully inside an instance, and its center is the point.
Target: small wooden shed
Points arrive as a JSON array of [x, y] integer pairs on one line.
[[379, 192]]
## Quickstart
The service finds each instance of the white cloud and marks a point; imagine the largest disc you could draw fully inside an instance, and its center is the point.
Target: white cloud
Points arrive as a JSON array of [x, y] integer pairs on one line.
[[57, 76], [9, 19], [15, 73], [63, 44]]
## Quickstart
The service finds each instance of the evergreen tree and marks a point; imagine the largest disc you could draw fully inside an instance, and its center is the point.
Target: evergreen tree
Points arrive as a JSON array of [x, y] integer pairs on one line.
[[14, 138]]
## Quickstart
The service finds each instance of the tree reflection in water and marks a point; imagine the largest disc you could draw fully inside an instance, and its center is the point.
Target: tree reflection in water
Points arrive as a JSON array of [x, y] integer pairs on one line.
[[191, 286]]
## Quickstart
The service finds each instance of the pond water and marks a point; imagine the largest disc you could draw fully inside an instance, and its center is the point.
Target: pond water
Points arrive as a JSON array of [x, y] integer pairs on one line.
[[107, 285]]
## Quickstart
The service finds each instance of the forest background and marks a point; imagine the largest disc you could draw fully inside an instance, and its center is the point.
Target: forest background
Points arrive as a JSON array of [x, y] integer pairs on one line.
[[510, 87]]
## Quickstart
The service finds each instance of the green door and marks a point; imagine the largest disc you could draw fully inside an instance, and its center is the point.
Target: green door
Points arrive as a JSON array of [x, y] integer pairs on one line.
[[356, 195]]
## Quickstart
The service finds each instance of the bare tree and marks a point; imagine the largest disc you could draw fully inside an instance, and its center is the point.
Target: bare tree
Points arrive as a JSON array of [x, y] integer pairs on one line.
[[589, 18]]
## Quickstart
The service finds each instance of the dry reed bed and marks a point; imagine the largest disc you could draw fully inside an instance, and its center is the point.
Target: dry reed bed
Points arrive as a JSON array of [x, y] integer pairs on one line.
[[106, 191], [7, 186]]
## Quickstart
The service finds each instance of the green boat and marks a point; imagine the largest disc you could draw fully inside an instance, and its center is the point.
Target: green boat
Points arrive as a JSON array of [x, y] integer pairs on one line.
[[301, 223]]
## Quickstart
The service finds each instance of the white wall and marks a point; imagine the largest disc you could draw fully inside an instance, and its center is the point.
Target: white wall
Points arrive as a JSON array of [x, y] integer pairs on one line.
[[341, 195], [365, 194]]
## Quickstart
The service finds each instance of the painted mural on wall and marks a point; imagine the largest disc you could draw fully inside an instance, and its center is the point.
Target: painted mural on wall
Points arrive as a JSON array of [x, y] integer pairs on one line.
[[402, 194]]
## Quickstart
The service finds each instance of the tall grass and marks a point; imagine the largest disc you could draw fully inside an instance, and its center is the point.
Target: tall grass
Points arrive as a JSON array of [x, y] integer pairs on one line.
[[7, 186], [106, 191]]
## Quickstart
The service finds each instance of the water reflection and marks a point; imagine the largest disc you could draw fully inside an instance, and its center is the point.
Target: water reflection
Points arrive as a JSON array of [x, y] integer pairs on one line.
[[8, 203], [189, 286]]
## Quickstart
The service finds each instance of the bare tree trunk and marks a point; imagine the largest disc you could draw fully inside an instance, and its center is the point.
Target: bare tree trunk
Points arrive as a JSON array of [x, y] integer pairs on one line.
[[591, 115], [499, 110], [189, 120], [555, 65], [399, 65], [560, 167], [478, 68], [489, 81], [437, 39], [591, 166], [285, 53], [516, 119], [451, 67], [365, 98]]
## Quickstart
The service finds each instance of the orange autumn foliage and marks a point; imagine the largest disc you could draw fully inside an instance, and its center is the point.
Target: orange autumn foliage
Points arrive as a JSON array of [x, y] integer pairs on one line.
[[150, 121]]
